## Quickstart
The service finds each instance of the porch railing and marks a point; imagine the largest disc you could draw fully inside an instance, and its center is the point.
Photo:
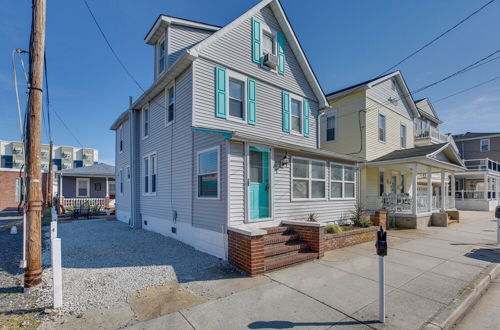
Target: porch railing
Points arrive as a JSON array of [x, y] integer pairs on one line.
[[431, 133], [482, 165], [76, 202], [470, 194]]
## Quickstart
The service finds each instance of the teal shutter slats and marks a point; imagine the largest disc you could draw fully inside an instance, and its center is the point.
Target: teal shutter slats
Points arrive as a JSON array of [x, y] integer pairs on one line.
[[281, 53], [220, 93], [305, 111], [251, 106], [256, 40], [285, 105]]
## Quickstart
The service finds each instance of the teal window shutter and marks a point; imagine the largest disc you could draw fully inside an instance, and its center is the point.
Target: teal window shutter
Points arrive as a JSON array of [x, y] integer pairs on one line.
[[256, 40], [285, 105], [251, 106], [281, 53], [220, 93], [305, 111]]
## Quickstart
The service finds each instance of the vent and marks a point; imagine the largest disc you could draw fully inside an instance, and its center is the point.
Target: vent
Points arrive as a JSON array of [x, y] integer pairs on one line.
[[271, 60]]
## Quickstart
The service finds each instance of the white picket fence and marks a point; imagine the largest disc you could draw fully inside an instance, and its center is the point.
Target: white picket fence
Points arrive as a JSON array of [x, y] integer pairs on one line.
[[76, 202]]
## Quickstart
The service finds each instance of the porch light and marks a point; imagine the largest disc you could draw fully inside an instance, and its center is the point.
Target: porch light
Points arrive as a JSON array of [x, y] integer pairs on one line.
[[285, 160]]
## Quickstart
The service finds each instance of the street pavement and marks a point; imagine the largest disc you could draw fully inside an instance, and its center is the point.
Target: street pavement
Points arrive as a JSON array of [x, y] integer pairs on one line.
[[425, 270]]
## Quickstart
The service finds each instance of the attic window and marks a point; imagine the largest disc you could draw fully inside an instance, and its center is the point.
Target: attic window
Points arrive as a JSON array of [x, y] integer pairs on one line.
[[161, 56], [268, 43]]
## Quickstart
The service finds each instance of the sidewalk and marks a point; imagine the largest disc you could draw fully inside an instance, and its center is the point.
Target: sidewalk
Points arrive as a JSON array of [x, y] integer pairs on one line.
[[425, 270]]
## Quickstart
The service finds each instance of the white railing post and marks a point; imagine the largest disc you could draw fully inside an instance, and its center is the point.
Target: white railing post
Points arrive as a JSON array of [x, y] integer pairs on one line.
[[429, 187], [453, 193], [443, 193], [414, 190]]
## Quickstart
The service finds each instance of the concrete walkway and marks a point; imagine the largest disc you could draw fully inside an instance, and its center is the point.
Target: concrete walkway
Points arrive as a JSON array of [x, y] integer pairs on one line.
[[425, 270]]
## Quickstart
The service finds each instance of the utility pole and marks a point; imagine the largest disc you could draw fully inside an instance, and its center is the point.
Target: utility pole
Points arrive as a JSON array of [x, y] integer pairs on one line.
[[33, 271]]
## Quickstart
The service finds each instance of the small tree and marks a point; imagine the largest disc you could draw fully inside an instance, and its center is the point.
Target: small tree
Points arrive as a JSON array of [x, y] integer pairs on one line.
[[358, 217]]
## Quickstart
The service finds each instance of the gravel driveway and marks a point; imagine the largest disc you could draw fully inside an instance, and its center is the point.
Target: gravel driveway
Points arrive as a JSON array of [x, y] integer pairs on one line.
[[103, 261]]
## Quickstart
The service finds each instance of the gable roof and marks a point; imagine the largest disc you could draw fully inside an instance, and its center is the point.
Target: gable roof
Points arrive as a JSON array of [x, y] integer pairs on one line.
[[427, 153], [426, 109], [375, 81], [96, 170], [290, 36], [163, 21], [474, 136]]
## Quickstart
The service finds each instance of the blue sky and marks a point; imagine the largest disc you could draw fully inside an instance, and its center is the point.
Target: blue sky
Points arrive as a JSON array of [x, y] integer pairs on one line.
[[346, 42]]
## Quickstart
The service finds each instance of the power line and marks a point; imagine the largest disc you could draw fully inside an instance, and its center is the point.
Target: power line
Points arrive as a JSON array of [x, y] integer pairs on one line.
[[467, 89], [66, 126], [438, 37], [47, 97]]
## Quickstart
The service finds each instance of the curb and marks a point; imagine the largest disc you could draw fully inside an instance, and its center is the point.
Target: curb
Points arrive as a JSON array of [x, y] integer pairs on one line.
[[447, 317]]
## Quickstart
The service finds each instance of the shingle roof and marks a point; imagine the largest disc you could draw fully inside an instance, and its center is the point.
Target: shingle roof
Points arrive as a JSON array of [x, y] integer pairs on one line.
[[410, 153], [470, 135], [357, 85], [99, 169]]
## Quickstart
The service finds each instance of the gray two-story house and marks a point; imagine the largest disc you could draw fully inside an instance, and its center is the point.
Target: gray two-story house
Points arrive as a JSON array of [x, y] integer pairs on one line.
[[226, 139], [478, 188]]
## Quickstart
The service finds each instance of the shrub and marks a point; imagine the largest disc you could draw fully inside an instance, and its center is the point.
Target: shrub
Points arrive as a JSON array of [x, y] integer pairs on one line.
[[311, 217], [358, 218], [333, 229]]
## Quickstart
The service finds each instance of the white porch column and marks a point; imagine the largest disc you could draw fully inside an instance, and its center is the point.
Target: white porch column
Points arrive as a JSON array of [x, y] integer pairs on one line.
[[486, 186], [443, 193], [414, 189], [107, 189], [429, 187], [452, 184], [60, 185]]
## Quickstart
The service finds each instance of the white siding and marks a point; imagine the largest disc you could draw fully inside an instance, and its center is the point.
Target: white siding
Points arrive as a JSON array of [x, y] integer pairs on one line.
[[182, 37], [237, 183], [122, 160], [384, 90]]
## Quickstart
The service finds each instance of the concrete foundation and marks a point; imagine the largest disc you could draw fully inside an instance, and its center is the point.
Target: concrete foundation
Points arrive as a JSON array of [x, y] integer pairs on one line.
[[412, 222], [439, 219]]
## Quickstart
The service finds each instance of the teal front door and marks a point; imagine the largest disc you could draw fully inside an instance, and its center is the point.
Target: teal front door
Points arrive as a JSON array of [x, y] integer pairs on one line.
[[259, 183]]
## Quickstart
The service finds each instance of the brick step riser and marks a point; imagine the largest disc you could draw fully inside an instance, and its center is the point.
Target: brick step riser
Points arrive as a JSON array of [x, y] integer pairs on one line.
[[284, 249], [279, 263], [277, 230], [275, 239]]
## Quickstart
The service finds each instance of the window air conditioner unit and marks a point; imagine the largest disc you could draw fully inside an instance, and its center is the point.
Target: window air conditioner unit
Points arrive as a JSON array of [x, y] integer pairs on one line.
[[271, 60]]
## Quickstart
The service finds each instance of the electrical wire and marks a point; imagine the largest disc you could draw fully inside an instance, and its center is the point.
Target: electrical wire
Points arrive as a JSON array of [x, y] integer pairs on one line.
[[47, 98], [467, 89], [438, 37]]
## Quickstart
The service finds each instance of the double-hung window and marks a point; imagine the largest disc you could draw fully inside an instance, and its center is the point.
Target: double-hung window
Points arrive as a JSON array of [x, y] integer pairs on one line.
[[381, 128], [296, 115], [161, 55], [342, 181], [330, 127], [308, 179], [268, 43], [170, 113], [82, 187], [485, 145], [403, 136], [145, 122], [381, 180], [120, 135], [208, 173], [236, 98], [121, 181], [150, 171]]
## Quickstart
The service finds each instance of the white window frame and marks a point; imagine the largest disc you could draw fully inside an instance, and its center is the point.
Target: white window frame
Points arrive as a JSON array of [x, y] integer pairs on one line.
[[167, 105], [241, 78], [121, 189], [405, 146], [328, 114], [145, 110], [217, 149], [163, 38], [78, 180], [380, 114], [481, 145], [150, 174], [310, 179], [265, 29], [120, 139], [301, 108], [343, 181]]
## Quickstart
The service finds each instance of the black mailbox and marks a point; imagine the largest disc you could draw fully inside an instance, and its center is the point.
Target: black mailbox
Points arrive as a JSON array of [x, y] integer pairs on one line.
[[497, 212], [381, 243]]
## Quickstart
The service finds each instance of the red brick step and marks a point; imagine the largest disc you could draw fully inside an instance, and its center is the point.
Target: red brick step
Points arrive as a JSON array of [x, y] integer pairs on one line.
[[280, 238], [275, 249], [276, 230], [289, 259]]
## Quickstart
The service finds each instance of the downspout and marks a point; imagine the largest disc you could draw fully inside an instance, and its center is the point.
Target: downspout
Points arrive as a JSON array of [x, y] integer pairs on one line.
[[133, 220]]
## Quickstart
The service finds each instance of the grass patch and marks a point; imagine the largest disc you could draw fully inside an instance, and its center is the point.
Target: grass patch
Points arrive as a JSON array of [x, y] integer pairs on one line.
[[25, 321]]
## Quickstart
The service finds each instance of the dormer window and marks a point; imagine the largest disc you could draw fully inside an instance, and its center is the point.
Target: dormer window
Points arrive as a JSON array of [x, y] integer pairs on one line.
[[161, 56], [268, 44]]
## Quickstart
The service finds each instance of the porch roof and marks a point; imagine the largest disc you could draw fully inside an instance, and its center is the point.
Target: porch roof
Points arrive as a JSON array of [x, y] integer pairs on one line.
[[239, 136], [96, 170], [436, 155]]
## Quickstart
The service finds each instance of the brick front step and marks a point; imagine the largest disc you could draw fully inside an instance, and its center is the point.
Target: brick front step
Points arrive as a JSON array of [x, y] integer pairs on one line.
[[276, 230], [289, 259], [280, 238], [281, 248]]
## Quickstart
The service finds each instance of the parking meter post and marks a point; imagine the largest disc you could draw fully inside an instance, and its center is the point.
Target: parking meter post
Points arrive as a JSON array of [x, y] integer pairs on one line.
[[381, 246], [497, 215]]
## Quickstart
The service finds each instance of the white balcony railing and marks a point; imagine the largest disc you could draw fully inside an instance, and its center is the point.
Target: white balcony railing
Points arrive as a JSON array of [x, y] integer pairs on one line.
[[482, 165], [432, 133]]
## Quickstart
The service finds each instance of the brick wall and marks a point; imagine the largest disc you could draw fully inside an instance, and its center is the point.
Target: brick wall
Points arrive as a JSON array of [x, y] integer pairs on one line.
[[351, 237], [246, 252], [380, 218], [8, 190], [312, 235]]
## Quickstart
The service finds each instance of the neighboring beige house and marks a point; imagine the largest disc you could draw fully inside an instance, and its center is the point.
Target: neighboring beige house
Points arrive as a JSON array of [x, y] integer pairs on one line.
[[478, 188], [408, 164]]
